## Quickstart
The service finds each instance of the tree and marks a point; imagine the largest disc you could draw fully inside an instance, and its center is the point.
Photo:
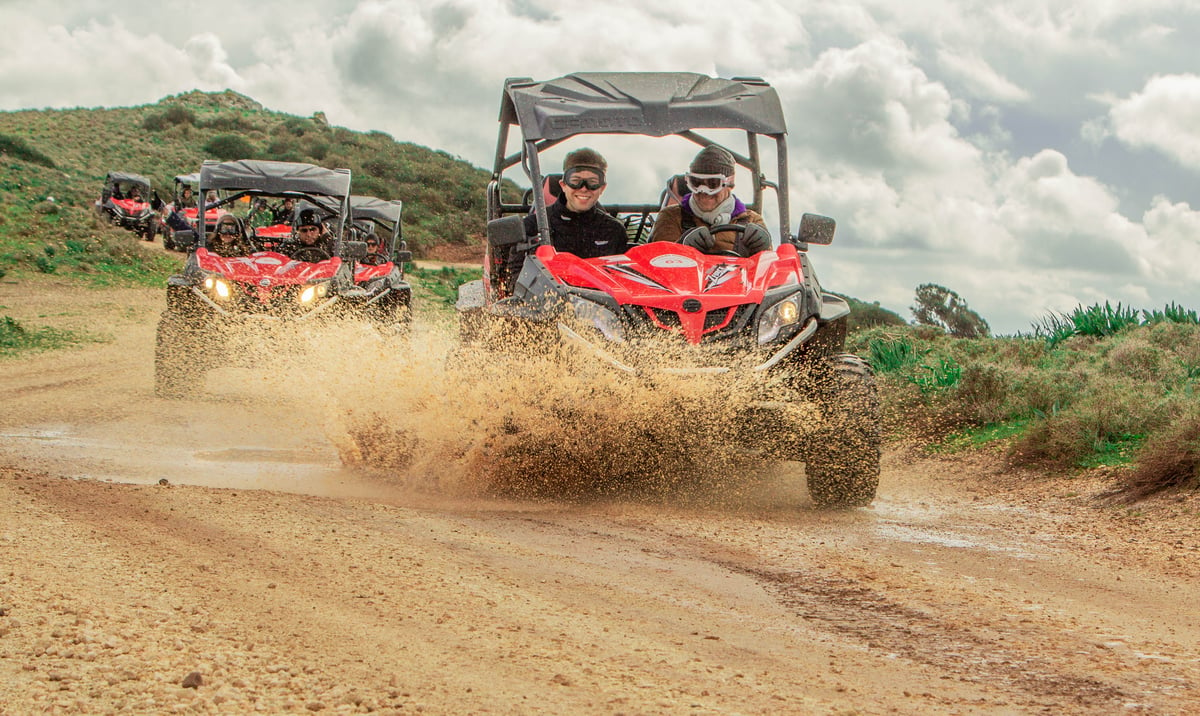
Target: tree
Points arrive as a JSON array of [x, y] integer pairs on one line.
[[939, 306]]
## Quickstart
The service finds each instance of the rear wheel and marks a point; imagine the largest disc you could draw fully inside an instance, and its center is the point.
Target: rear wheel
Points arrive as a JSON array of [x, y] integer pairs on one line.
[[842, 462], [150, 230], [177, 361]]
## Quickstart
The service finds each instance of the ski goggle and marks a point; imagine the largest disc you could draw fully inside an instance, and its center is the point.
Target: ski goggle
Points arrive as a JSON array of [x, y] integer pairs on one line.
[[228, 230], [708, 183], [577, 183]]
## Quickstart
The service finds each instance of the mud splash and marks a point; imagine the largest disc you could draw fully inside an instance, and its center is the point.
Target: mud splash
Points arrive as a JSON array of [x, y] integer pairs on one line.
[[429, 415]]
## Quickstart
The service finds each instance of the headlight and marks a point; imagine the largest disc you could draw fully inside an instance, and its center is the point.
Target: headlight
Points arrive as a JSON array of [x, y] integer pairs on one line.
[[312, 293], [775, 318], [598, 317], [218, 287]]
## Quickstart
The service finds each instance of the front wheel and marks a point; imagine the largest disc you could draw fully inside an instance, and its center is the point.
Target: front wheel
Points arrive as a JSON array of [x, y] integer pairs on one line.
[[842, 462]]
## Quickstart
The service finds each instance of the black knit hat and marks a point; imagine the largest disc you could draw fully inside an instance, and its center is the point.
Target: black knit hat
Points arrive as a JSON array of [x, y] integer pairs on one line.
[[585, 158], [713, 160], [308, 217]]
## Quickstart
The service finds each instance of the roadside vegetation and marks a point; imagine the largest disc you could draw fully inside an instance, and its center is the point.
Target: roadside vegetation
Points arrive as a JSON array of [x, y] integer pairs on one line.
[[1101, 387], [16, 338]]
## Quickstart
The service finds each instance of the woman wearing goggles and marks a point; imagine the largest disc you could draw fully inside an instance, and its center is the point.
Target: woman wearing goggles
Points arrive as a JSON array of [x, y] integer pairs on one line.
[[710, 202]]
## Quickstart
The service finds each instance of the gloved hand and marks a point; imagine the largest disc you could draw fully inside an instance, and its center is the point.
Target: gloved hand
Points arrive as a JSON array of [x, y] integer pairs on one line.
[[699, 238], [754, 239]]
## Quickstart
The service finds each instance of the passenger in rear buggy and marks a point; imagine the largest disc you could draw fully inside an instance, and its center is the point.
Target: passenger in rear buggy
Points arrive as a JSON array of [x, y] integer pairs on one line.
[[228, 238], [578, 224], [711, 203]]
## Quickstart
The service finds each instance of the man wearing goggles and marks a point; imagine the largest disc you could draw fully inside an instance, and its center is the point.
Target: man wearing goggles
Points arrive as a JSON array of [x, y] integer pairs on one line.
[[577, 222], [710, 202]]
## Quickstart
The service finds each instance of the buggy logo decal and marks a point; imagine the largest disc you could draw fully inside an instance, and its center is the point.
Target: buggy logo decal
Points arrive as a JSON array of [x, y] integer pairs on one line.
[[636, 277], [672, 261], [720, 275], [264, 282]]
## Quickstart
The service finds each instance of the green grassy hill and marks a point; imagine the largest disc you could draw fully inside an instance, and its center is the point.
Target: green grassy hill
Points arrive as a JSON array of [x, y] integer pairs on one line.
[[65, 154]]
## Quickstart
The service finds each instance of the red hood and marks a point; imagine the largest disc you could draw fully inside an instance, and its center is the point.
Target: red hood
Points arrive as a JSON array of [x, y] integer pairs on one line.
[[274, 231], [267, 269], [663, 274], [210, 217], [131, 206], [678, 278]]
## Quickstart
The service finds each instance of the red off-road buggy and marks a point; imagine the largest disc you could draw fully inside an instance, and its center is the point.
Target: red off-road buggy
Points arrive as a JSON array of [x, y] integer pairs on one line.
[[183, 213], [666, 307], [126, 201], [277, 282]]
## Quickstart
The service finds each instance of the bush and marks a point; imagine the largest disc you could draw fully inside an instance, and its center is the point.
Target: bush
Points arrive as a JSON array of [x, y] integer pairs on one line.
[[169, 117], [19, 149], [1169, 460], [228, 147]]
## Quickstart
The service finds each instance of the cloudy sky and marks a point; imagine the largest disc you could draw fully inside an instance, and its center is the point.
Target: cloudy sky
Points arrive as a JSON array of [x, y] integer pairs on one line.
[[1031, 155]]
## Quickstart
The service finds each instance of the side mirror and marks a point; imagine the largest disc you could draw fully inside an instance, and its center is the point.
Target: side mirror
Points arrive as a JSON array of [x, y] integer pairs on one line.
[[354, 250], [185, 240], [506, 231], [403, 256], [816, 229]]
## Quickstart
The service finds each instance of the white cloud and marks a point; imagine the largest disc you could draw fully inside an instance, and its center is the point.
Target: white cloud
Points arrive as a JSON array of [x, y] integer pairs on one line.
[[1164, 116], [980, 77]]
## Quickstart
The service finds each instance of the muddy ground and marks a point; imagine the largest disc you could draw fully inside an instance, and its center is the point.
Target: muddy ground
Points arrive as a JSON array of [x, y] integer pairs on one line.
[[238, 552]]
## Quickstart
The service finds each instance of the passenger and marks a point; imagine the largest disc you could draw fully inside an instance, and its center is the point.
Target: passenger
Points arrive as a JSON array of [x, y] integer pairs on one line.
[[285, 213], [228, 239], [577, 222], [311, 241], [711, 203], [187, 200], [135, 193]]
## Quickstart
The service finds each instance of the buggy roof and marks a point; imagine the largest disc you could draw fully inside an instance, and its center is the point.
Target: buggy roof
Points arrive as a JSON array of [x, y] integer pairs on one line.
[[651, 103], [273, 177], [369, 207], [189, 179], [127, 177]]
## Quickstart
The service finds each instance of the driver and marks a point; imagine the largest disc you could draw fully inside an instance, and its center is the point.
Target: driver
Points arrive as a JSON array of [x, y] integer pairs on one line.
[[285, 212], [228, 238], [374, 255], [311, 239], [187, 200], [710, 203]]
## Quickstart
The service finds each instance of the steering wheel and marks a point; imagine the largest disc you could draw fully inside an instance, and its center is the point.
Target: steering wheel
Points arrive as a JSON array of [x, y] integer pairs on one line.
[[738, 241], [310, 254]]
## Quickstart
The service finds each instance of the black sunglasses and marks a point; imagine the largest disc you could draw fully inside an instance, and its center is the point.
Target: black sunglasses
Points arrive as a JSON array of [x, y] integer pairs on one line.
[[228, 231], [577, 183]]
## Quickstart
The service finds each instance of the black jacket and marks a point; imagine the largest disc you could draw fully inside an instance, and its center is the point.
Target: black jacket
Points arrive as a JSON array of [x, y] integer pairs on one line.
[[587, 235]]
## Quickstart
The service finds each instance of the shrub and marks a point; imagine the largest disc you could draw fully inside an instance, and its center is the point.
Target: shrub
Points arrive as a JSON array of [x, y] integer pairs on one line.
[[1095, 320], [228, 147], [18, 148], [173, 115], [1169, 460]]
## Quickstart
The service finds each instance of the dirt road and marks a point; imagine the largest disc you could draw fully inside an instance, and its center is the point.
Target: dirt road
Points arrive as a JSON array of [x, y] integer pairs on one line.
[[230, 554]]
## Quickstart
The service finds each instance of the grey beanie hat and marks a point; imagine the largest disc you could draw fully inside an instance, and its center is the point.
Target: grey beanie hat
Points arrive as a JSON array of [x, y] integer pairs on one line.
[[585, 158], [713, 160]]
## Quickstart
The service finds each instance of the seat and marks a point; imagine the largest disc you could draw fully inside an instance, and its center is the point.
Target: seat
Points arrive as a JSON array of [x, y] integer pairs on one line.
[[674, 191]]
